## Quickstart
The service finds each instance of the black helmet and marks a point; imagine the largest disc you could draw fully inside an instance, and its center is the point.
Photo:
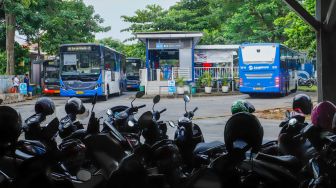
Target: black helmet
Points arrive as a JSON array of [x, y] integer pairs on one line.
[[45, 105], [74, 106], [246, 127], [303, 103], [10, 127]]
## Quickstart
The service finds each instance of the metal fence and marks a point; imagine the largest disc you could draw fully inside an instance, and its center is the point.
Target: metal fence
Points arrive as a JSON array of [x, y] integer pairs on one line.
[[216, 72]]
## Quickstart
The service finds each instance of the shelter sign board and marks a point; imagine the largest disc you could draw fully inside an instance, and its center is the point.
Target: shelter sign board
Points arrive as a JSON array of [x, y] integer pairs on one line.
[[213, 56]]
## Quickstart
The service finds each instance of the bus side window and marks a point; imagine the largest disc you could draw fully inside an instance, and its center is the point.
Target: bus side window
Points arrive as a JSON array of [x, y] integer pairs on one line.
[[283, 58]]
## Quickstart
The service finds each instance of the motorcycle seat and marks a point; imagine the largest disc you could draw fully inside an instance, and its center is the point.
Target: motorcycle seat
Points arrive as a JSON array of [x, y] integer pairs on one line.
[[207, 148], [287, 161]]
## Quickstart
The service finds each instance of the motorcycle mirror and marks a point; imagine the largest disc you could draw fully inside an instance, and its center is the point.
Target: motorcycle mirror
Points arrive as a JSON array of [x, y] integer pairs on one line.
[[84, 175], [156, 99], [287, 114], [139, 94], [109, 112], [186, 98], [172, 124]]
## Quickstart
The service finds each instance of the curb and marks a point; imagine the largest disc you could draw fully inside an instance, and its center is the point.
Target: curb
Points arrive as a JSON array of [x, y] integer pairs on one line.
[[193, 95], [9, 98]]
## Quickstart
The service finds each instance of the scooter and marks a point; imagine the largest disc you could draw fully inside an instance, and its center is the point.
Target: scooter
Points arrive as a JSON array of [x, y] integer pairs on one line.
[[187, 135], [123, 120]]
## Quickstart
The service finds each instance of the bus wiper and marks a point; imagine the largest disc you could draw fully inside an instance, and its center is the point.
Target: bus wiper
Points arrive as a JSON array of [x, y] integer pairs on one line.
[[87, 78], [70, 77]]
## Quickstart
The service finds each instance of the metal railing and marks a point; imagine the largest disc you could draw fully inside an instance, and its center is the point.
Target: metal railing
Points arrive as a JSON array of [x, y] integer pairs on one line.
[[216, 72]]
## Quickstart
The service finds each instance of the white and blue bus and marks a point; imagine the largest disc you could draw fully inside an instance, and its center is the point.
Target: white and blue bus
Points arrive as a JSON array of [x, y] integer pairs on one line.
[[87, 69], [133, 66], [268, 68]]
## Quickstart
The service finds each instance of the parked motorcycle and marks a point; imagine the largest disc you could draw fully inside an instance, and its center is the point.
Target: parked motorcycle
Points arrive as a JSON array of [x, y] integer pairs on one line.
[[310, 82], [187, 135], [122, 118], [36, 127]]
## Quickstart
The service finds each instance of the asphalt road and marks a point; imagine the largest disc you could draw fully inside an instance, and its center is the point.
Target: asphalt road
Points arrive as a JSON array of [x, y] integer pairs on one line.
[[211, 117]]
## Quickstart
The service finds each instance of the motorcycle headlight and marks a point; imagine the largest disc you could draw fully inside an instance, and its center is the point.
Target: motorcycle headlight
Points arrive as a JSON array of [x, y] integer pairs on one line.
[[130, 123]]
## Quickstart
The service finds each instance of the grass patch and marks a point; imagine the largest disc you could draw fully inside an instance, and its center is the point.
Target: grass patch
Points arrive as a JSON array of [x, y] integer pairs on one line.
[[307, 89]]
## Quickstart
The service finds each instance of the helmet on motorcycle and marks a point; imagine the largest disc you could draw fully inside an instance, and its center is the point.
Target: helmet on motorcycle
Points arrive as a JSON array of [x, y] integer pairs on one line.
[[238, 106], [10, 127], [242, 106], [74, 106], [323, 114], [302, 103], [45, 105], [243, 127]]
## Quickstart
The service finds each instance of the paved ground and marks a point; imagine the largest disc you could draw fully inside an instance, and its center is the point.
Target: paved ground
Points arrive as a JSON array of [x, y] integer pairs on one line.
[[212, 114]]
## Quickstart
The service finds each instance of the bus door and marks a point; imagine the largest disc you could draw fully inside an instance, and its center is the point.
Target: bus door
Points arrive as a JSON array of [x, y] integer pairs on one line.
[[111, 75]]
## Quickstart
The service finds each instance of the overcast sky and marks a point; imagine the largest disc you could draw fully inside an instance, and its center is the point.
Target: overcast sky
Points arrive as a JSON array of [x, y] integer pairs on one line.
[[111, 10]]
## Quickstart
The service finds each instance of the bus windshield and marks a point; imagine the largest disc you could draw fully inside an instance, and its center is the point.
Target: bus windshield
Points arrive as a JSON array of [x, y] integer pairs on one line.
[[258, 54], [51, 74], [132, 69], [77, 63]]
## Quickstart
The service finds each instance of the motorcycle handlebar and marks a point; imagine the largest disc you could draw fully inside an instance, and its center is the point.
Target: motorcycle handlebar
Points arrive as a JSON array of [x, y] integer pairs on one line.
[[163, 110], [141, 106], [195, 109]]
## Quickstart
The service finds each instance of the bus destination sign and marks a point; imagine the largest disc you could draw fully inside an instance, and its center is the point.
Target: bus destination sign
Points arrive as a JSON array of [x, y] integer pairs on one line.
[[79, 48]]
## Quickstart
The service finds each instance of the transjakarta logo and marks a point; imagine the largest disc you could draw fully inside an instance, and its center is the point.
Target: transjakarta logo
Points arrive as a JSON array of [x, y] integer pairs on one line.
[[257, 67]]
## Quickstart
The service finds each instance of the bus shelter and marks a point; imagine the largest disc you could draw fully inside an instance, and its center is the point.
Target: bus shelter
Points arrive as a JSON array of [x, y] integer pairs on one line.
[[168, 55]]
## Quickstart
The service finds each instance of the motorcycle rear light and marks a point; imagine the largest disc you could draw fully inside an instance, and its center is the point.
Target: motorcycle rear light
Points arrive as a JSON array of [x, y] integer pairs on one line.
[[240, 82]]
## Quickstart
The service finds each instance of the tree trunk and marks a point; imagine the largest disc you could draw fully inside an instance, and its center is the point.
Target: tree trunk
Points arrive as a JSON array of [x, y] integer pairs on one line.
[[10, 39]]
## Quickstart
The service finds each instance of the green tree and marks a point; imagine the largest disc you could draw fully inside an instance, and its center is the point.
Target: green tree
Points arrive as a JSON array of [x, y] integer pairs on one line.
[[137, 50], [144, 20], [112, 43], [254, 22], [299, 35], [73, 22]]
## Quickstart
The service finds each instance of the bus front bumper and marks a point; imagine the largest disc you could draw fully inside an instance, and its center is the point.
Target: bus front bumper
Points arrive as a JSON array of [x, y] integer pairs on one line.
[[81, 93]]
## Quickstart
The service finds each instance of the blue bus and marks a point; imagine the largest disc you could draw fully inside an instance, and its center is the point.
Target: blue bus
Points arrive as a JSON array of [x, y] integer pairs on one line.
[[133, 66], [268, 68], [87, 69]]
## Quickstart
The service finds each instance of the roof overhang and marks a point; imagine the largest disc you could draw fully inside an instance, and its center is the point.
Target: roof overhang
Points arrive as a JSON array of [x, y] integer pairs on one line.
[[143, 36], [217, 47]]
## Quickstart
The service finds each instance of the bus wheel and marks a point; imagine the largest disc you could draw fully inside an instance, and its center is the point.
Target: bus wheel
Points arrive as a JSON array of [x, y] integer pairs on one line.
[[295, 89], [106, 97], [121, 88], [252, 95]]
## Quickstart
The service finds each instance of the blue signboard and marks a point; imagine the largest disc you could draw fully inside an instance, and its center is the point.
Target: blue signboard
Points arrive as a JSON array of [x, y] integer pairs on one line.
[[23, 88], [171, 86]]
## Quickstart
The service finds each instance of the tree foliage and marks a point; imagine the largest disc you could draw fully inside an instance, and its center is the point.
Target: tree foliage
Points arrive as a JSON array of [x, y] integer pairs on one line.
[[229, 21], [136, 50], [300, 36], [49, 23]]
